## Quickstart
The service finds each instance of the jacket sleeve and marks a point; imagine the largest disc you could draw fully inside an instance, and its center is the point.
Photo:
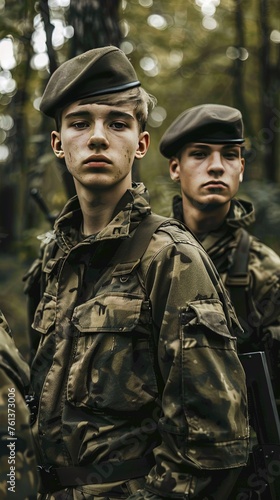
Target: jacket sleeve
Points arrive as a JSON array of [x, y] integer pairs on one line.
[[204, 423], [33, 288], [18, 473]]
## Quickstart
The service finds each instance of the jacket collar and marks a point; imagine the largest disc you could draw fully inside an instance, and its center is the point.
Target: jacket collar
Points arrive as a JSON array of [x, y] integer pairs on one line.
[[241, 213], [132, 207]]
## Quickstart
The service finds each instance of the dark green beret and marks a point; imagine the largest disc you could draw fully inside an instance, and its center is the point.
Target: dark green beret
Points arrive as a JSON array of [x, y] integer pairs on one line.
[[96, 72], [207, 123]]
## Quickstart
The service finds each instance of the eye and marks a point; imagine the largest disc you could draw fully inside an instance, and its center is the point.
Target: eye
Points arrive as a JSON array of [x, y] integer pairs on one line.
[[198, 154], [117, 125], [79, 125], [231, 155]]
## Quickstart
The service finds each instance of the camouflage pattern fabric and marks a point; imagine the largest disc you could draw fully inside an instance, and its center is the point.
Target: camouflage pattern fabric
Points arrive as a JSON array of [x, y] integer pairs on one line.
[[18, 476], [262, 322], [135, 359]]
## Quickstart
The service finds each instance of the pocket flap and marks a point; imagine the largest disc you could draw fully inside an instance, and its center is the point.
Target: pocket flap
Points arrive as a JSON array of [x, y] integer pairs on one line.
[[116, 312], [209, 313]]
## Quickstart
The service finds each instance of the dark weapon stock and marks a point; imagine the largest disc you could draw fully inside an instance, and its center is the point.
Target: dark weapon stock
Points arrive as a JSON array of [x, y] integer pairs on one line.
[[36, 195], [263, 481]]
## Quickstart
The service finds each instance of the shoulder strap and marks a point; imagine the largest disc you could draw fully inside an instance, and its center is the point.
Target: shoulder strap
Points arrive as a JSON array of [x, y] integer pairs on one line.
[[132, 249], [237, 279], [48, 253]]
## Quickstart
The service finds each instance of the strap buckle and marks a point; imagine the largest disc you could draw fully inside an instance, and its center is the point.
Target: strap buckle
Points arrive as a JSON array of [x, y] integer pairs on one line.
[[238, 280]]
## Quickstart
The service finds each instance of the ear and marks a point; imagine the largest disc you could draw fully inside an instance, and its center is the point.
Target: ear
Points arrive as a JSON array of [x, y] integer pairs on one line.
[[242, 170], [174, 169], [143, 145], [56, 144]]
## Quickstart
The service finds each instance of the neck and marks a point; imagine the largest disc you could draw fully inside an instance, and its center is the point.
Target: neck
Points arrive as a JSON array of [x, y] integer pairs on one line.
[[95, 219], [98, 210], [201, 222]]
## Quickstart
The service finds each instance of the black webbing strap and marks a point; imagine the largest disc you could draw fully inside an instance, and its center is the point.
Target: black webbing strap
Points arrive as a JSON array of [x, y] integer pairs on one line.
[[238, 277], [58, 478]]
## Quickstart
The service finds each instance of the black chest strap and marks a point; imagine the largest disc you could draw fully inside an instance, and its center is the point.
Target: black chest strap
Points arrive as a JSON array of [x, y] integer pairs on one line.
[[57, 478], [238, 278]]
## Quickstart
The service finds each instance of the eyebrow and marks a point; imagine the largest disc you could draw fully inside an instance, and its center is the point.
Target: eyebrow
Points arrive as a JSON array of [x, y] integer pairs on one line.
[[208, 146], [112, 114]]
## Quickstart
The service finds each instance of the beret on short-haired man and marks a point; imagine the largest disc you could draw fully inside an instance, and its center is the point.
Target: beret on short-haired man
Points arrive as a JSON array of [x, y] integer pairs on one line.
[[210, 123], [101, 71]]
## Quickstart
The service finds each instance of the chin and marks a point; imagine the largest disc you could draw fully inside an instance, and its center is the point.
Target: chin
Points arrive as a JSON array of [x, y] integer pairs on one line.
[[211, 205]]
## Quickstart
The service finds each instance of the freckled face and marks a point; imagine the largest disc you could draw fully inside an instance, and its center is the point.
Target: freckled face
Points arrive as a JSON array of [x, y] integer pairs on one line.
[[99, 143]]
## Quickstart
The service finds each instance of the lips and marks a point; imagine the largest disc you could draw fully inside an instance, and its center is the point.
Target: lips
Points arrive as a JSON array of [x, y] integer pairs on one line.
[[215, 184], [97, 160]]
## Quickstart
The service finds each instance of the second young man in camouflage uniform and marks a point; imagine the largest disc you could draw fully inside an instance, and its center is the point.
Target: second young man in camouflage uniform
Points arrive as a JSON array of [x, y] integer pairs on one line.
[[140, 391], [204, 146]]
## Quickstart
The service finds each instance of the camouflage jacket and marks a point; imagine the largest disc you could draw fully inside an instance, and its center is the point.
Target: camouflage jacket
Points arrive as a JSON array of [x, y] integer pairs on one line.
[[261, 316], [18, 475], [135, 359]]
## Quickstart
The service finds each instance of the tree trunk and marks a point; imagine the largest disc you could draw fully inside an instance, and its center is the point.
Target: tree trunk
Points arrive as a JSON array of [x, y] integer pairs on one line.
[[95, 23], [266, 135]]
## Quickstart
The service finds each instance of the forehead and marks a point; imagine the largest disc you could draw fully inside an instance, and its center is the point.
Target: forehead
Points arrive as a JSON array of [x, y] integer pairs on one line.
[[92, 107]]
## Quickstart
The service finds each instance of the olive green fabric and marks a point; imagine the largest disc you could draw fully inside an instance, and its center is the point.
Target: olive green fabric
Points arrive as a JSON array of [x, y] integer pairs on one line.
[[98, 71], [135, 359], [18, 475], [206, 123]]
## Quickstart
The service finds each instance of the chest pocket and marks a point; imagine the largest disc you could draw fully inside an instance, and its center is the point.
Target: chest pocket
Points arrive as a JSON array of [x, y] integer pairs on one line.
[[112, 312], [113, 362]]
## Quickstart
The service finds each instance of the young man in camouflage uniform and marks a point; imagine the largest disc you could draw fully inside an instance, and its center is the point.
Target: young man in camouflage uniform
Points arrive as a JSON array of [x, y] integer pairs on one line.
[[141, 393], [18, 474], [204, 146]]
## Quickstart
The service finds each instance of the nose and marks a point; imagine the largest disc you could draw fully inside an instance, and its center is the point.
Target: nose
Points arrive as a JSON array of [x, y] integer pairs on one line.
[[98, 137], [216, 166]]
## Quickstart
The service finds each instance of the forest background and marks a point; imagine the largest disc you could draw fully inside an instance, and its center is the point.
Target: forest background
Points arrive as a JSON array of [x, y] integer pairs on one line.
[[185, 53]]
